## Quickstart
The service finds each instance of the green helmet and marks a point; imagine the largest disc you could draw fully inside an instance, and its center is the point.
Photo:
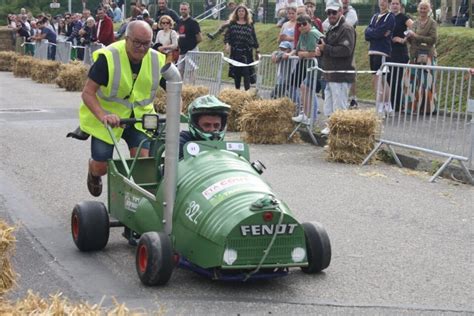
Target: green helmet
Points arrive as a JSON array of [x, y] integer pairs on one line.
[[207, 105]]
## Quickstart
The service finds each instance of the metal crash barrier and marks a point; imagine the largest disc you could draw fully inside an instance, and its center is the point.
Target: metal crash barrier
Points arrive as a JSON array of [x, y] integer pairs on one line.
[[204, 69], [41, 49], [63, 52], [89, 50], [294, 78], [432, 111]]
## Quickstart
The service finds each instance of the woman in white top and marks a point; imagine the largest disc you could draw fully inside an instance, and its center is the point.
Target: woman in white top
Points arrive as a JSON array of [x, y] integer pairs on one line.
[[287, 33], [166, 39]]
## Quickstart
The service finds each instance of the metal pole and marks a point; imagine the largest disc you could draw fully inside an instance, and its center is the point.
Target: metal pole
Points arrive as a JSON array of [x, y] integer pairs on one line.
[[173, 106], [69, 6]]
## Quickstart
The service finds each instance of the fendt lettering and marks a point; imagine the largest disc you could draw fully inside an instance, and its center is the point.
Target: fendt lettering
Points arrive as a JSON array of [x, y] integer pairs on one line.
[[262, 230]]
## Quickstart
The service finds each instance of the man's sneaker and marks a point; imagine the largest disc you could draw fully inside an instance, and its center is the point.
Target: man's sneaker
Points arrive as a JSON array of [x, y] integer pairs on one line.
[[298, 119], [94, 184], [306, 121], [325, 131], [210, 36], [353, 104]]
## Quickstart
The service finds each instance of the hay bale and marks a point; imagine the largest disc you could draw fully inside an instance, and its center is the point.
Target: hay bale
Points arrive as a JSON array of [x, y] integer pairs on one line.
[[45, 71], [7, 244], [188, 94], [7, 60], [191, 93], [72, 77], [159, 102], [237, 99], [267, 121], [352, 135], [22, 66]]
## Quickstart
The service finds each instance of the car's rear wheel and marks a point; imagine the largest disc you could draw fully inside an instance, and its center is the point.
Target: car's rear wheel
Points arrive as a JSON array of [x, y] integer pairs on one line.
[[154, 258], [90, 225], [318, 247]]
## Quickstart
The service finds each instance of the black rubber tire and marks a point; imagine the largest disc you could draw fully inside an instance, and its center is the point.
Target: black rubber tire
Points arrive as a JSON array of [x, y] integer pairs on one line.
[[154, 258], [90, 225], [318, 247]]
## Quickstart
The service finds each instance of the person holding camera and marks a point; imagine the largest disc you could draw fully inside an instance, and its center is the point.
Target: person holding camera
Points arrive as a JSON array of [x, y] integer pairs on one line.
[[337, 51]]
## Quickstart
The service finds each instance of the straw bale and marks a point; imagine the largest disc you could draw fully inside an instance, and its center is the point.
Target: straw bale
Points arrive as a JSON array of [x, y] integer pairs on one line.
[[352, 135], [191, 93], [237, 100], [45, 71], [7, 59], [361, 122], [7, 244], [22, 66], [159, 102], [267, 121], [33, 304], [72, 77], [188, 94]]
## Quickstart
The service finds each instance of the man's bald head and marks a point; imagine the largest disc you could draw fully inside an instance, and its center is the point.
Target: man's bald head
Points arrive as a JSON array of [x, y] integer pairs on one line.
[[139, 28]]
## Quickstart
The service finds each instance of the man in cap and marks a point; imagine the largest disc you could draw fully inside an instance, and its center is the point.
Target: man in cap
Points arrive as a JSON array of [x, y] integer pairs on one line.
[[337, 52], [350, 14]]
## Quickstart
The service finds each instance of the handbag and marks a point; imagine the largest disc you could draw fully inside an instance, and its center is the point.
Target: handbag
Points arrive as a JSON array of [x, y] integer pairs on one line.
[[422, 56]]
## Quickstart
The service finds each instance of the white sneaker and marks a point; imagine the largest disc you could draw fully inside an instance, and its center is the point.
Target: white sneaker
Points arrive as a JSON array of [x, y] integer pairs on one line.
[[298, 119], [325, 131], [306, 121]]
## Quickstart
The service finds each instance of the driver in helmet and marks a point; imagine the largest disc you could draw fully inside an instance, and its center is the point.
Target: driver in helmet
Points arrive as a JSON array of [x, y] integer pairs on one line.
[[207, 121]]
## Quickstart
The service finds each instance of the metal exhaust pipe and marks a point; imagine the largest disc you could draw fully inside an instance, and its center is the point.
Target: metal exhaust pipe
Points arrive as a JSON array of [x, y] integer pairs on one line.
[[174, 85]]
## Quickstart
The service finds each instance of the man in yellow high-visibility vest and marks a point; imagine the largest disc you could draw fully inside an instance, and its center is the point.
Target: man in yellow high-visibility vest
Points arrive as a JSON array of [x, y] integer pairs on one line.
[[122, 83]]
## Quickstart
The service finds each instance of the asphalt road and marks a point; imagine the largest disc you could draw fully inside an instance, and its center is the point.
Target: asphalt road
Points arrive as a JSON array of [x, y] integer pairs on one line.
[[400, 245]]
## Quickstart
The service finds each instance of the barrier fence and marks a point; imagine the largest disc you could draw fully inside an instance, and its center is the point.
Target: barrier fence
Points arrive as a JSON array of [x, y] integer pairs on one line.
[[294, 78], [63, 51], [204, 69], [432, 106], [432, 112]]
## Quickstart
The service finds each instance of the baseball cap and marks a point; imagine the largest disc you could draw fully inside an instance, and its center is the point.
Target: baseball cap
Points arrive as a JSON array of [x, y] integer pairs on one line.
[[286, 45], [333, 5], [310, 2]]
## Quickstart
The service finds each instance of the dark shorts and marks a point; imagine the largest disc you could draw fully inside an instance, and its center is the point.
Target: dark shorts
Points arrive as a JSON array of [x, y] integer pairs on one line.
[[375, 62], [101, 151]]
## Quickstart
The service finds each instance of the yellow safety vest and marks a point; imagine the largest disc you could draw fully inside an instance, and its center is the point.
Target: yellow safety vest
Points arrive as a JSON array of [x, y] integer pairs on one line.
[[122, 95]]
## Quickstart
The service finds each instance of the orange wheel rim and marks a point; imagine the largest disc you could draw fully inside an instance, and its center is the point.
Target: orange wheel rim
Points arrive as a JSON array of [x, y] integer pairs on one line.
[[142, 258], [75, 226]]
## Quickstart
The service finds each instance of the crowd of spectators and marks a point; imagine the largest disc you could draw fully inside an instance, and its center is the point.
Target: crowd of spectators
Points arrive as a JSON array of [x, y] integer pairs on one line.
[[78, 28], [392, 36]]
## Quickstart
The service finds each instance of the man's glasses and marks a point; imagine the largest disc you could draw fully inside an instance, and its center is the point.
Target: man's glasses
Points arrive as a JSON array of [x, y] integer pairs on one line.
[[302, 24], [331, 12], [137, 44]]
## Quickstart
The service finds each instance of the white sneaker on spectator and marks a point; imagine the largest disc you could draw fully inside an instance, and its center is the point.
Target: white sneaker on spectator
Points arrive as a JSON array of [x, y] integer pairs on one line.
[[306, 121], [325, 131], [298, 119]]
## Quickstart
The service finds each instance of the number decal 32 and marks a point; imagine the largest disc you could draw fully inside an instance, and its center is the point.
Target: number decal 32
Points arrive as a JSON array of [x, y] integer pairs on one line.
[[193, 212]]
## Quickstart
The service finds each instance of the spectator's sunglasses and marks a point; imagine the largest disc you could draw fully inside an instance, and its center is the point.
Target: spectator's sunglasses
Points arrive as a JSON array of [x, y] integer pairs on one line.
[[302, 24], [165, 22], [331, 12]]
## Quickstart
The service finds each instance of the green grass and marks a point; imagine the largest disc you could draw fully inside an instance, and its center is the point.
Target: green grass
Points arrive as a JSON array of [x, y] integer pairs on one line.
[[455, 48]]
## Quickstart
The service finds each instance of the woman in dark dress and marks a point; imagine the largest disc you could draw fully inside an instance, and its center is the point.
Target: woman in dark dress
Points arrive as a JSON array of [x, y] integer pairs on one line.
[[399, 52], [240, 40]]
